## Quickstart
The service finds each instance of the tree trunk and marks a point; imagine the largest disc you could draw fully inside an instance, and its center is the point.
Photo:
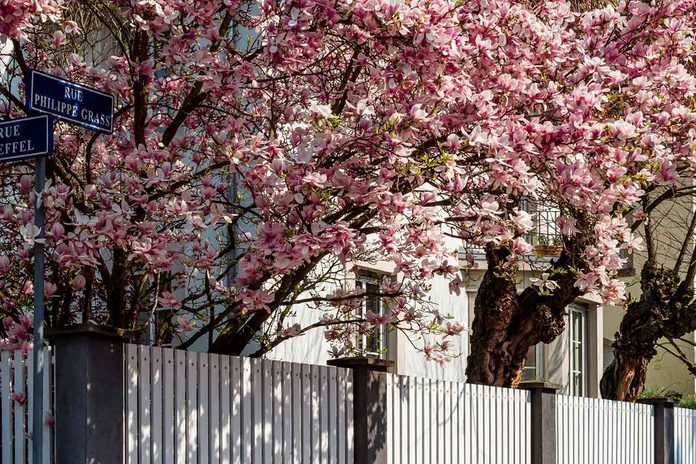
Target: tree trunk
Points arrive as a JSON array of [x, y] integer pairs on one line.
[[496, 302], [661, 312], [624, 378], [506, 325]]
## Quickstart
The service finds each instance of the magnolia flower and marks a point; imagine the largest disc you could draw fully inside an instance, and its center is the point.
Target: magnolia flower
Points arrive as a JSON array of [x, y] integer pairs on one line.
[[418, 113], [454, 328], [185, 324], [57, 231], [25, 182], [491, 208], [543, 283], [78, 282], [29, 233], [455, 285], [567, 225], [169, 300], [50, 289], [291, 331], [322, 111], [522, 221]]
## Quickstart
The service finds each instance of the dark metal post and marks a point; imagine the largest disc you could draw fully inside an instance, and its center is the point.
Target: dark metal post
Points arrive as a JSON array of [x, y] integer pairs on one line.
[[543, 421], [39, 361], [664, 428], [89, 396], [369, 407]]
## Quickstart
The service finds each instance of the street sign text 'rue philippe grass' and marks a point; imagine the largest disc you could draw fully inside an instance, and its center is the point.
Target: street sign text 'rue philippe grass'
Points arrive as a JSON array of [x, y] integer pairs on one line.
[[71, 102]]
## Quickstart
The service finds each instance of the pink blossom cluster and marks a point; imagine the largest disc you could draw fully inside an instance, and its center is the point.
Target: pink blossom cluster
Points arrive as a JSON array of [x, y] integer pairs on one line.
[[18, 335], [18, 16], [260, 145]]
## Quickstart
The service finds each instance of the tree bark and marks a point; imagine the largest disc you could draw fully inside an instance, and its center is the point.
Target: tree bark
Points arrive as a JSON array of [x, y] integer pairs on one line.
[[665, 309]]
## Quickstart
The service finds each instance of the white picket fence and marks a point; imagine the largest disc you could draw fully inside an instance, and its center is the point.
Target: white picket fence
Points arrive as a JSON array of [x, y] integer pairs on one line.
[[594, 431], [185, 407], [191, 408], [684, 436], [441, 422], [16, 414]]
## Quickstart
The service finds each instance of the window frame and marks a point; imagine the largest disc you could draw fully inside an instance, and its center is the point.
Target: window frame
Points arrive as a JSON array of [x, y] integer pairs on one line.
[[538, 369], [577, 340], [363, 278]]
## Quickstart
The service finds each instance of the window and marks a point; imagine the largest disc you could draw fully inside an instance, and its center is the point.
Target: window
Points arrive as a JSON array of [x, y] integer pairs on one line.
[[534, 365], [545, 234], [578, 359], [374, 342]]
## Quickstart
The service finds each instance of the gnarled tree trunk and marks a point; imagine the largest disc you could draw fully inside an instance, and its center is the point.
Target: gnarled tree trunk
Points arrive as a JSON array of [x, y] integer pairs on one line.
[[506, 325], [664, 310]]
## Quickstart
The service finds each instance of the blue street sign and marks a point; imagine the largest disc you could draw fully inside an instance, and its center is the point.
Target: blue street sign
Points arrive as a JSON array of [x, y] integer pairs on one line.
[[25, 138], [70, 101]]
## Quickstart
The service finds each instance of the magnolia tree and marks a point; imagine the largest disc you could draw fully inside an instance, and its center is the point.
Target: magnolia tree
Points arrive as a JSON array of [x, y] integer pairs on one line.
[[583, 111], [259, 147], [664, 314]]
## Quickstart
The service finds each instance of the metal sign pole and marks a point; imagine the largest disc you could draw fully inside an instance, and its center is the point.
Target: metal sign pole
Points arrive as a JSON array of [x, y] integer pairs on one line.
[[39, 366], [60, 98]]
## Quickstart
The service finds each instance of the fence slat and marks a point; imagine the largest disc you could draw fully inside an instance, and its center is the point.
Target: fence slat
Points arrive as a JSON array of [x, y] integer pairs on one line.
[[180, 403], [306, 413], [236, 431], [246, 412], [341, 435], [30, 395], [324, 413], [333, 414], [285, 431], [144, 416], [409, 403], [297, 412], [192, 410], [20, 391], [225, 438], [214, 410], [6, 406], [203, 426], [277, 411], [257, 415], [132, 403], [392, 423], [349, 416], [168, 416], [156, 372], [48, 405]]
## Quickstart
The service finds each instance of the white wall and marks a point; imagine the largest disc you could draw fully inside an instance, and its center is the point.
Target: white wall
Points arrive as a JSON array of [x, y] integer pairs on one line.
[[410, 361], [313, 348]]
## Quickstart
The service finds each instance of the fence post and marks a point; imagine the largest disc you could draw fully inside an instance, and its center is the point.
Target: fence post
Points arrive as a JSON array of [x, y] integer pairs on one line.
[[664, 428], [89, 379], [543, 433], [369, 407]]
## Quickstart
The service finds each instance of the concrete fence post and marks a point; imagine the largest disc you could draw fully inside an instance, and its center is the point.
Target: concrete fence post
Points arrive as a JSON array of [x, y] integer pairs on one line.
[[89, 389], [664, 428], [543, 433], [369, 407]]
